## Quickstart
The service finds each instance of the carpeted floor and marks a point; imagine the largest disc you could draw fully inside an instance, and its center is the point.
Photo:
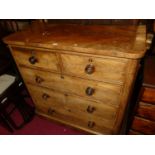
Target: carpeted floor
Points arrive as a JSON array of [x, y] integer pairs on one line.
[[42, 126]]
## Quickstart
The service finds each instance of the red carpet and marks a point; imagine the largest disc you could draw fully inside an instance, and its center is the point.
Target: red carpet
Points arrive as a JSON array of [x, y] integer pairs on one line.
[[41, 126]]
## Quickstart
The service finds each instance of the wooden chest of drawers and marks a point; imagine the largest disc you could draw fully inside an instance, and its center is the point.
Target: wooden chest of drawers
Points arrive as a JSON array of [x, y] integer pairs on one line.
[[80, 75]]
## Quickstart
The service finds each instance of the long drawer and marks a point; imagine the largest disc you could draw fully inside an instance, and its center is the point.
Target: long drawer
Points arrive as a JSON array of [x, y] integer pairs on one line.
[[64, 106], [87, 124], [148, 95], [143, 125], [97, 91], [100, 69], [36, 58], [146, 110]]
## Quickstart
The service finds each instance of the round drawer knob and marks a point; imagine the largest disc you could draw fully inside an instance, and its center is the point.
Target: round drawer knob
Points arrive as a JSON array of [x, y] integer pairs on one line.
[[45, 96], [91, 124], [33, 60], [39, 79], [90, 91], [51, 111], [90, 69], [90, 109]]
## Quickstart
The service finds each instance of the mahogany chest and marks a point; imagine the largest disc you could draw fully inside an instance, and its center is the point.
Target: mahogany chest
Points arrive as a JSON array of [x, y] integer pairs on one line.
[[144, 118], [80, 75]]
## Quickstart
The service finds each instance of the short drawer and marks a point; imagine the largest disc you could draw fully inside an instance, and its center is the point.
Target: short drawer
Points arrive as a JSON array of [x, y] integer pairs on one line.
[[146, 110], [72, 106], [100, 69], [36, 58], [143, 125], [98, 91], [148, 95]]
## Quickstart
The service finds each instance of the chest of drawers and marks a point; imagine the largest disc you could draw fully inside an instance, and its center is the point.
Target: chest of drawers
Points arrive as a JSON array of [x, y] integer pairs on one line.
[[81, 76]]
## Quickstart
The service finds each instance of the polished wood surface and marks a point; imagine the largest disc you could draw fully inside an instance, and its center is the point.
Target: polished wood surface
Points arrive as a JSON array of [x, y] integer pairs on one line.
[[71, 106], [143, 125], [72, 103], [148, 95], [118, 41], [146, 110], [129, 80], [42, 59], [104, 68], [80, 75], [102, 91], [149, 72]]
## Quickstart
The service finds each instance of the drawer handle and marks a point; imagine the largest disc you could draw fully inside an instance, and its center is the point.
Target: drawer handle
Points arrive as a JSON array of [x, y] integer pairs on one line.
[[45, 96], [91, 124], [90, 91], [90, 109], [39, 79], [51, 111], [90, 69], [33, 60]]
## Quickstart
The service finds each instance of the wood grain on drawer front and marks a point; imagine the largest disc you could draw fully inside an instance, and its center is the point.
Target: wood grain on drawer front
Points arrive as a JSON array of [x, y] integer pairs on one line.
[[44, 59], [148, 95], [101, 69], [70, 119], [143, 125], [146, 110], [73, 106], [102, 92]]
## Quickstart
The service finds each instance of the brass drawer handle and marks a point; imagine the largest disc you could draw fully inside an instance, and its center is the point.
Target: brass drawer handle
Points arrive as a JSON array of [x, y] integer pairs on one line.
[[51, 111], [33, 60], [90, 109], [91, 124], [90, 69], [90, 91], [39, 79], [45, 96]]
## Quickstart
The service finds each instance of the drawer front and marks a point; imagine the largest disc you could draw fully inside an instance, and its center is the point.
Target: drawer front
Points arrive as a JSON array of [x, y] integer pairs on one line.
[[148, 95], [91, 125], [36, 58], [143, 125], [72, 106], [146, 110], [100, 69], [85, 123], [97, 91]]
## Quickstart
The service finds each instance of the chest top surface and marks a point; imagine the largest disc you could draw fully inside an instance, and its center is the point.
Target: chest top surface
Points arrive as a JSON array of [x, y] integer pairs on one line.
[[108, 40]]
